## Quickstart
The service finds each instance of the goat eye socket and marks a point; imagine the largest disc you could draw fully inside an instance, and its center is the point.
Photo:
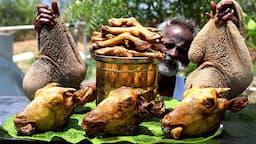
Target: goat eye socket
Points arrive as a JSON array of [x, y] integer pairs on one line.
[[209, 102]]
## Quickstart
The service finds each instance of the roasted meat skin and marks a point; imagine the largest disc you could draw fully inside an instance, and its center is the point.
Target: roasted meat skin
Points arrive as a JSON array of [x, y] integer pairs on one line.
[[123, 52], [50, 109], [131, 36], [120, 113], [134, 28], [200, 112]]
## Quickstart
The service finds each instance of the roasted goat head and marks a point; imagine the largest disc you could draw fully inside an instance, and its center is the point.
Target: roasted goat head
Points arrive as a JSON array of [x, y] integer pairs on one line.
[[50, 108], [120, 113], [200, 112]]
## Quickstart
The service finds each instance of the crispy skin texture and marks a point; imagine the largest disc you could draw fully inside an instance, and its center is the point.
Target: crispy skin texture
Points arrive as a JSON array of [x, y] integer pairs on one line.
[[200, 112], [50, 108], [134, 28], [123, 52], [122, 38], [129, 34], [117, 114], [120, 113]]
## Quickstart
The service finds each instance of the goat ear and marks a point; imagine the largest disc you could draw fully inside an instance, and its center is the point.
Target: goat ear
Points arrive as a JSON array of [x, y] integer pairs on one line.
[[55, 7], [221, 90], [238, 103]]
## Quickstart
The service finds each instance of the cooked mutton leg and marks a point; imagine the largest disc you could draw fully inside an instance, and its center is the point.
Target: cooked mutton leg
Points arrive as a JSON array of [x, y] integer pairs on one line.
[[120, 39], [123, 52], [114, 51], [123, 21], [138, 31], [132, 22], [98, 36]]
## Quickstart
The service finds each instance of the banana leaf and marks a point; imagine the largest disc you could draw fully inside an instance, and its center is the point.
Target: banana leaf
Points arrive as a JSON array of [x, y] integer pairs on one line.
[[149, 132]]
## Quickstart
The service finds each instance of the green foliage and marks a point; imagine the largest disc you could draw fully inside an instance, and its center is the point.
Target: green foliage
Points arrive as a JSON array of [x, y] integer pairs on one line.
[[254, 69], [97, 12], [249, 7], [191, 66], [91, 67], [197, 9], [192, 9], [250, 31], [17, 12], [148, 12]]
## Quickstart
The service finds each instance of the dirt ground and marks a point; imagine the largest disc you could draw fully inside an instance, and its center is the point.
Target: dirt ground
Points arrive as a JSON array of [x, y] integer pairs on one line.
[[31, 46]]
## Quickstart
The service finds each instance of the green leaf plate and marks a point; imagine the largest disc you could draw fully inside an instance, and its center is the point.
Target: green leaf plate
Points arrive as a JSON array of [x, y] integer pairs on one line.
[[149, 132]]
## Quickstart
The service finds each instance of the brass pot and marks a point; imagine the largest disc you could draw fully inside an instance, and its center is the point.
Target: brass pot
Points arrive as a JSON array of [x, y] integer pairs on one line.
[[137, 72]]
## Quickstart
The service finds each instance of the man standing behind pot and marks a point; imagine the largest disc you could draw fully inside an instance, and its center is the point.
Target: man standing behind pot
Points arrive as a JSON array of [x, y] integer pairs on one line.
[[178, 34]]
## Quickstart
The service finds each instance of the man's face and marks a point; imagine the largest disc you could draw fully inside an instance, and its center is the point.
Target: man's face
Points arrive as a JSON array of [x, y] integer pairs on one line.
[[169, 67], [177, 40]]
